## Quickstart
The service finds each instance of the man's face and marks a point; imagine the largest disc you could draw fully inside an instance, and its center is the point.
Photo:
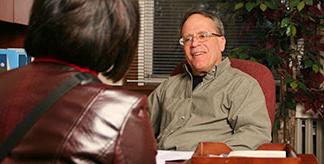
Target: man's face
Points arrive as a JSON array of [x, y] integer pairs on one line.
[[202, 56]]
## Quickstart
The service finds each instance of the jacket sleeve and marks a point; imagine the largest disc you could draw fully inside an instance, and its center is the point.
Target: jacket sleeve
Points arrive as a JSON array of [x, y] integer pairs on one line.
[[248, 116], [136, 143]]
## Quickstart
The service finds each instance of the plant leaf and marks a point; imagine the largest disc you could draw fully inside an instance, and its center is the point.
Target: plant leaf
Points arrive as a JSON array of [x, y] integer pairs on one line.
[[238, 5], [288, 31], [271, 4], [263, 7], [253, 59], [315, 68], [284, 22], [309, 2], [301, 6], [293, 30], [249, 6], [294, 85], [311, 18], [294, 3], [289, 78], [308, 63], [243, 56], [302, 86]]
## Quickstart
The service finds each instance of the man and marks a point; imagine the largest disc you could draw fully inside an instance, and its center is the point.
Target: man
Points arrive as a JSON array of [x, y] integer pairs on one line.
[[211, 101]]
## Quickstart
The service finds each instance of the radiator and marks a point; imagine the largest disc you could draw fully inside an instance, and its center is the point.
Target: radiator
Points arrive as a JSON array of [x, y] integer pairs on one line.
[[309, 134]]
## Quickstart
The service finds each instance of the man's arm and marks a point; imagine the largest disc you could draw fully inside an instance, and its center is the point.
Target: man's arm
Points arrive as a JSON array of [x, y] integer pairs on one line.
[[248, 116], [154, 109]]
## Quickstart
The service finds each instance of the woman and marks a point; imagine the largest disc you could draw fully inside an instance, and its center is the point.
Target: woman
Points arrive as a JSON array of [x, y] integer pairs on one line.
[[92, 122]]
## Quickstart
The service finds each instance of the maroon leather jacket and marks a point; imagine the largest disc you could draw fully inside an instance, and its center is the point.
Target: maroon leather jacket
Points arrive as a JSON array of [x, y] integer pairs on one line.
[[92, 123]]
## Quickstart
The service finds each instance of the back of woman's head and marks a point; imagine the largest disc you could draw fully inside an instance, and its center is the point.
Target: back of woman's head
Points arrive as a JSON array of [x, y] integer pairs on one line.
[[99, 34]]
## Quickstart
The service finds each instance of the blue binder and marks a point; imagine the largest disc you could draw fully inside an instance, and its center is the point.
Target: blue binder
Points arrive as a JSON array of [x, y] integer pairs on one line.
[[12, 59], [17, 57], [3, 60]]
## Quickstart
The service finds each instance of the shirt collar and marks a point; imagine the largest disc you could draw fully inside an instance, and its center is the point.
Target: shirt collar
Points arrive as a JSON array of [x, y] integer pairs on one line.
[[215, 71]]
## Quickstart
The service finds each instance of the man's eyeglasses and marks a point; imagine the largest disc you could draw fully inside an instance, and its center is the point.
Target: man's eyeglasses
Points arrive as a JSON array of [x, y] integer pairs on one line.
[[201, 37]]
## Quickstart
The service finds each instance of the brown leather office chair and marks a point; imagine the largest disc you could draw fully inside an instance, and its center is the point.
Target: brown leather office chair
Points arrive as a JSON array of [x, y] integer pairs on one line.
[[258, 71]]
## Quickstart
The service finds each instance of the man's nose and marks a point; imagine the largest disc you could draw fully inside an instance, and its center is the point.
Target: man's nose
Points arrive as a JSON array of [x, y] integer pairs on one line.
[[195, 42]]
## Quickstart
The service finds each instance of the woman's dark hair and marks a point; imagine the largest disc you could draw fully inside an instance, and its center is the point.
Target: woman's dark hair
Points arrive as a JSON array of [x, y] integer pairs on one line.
[[99, 34], [207, 13]]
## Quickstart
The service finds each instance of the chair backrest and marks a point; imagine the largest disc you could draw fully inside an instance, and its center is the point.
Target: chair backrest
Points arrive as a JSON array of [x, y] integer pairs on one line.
[[258, 71]]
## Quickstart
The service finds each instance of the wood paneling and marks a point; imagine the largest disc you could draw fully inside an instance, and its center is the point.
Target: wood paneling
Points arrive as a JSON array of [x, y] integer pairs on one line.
[[22, 11], [6, 10], [15, 11]]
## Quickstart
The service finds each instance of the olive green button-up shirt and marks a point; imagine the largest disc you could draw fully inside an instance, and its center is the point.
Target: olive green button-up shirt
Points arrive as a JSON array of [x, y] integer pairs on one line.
[[227, 106]]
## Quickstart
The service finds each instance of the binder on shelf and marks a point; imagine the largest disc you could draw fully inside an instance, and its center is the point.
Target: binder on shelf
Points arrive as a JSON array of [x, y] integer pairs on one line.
[[3, 60], [16, 57], [12, 57]]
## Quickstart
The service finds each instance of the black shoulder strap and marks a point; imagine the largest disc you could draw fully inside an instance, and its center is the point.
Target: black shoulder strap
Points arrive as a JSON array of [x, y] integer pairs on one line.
[[17, 134]]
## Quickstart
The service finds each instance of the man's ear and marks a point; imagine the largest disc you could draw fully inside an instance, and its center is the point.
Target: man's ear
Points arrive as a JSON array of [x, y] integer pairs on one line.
[[222, 43]]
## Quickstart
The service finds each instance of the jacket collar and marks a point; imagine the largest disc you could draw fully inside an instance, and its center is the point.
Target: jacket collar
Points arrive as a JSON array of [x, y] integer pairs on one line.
[[54, 60]]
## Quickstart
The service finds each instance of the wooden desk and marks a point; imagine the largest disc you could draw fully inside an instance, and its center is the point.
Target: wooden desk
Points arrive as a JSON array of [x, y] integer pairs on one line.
[[304, 159], [308, 158], [201, 155]]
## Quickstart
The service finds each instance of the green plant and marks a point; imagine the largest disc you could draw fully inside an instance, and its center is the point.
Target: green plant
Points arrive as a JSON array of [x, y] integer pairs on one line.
[[289, 44]]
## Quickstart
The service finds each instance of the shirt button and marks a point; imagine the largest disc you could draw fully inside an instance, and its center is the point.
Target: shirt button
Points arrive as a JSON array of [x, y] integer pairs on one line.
[[182, 117]]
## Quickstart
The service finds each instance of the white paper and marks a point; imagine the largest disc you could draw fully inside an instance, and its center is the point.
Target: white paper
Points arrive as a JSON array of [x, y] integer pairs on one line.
[[258, 153], [167, 155]]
